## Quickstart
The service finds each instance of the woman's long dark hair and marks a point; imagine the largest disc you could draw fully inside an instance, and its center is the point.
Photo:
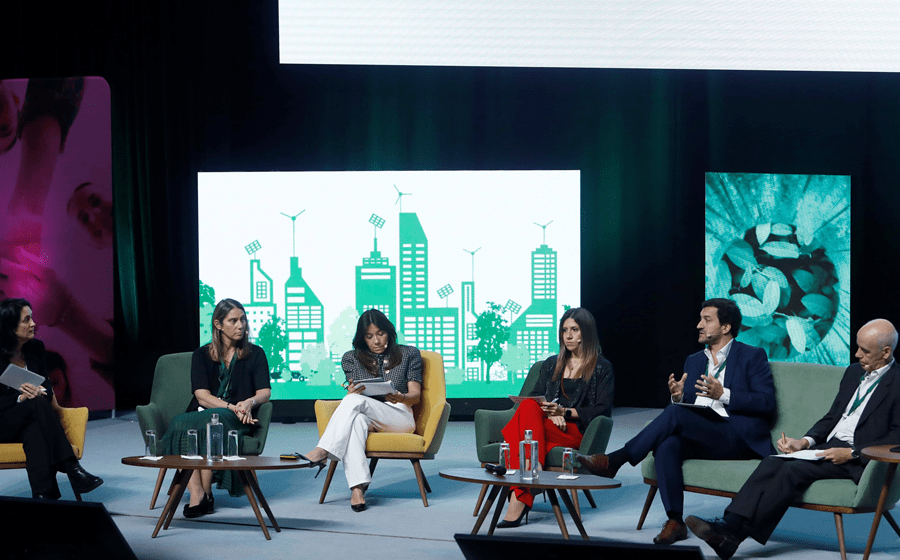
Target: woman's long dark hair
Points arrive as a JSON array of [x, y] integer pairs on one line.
[[10, 316], [365, 356], [590, 345], [216, 347]]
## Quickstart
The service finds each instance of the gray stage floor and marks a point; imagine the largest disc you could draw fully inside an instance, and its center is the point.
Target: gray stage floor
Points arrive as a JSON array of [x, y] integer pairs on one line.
[[396, 525]]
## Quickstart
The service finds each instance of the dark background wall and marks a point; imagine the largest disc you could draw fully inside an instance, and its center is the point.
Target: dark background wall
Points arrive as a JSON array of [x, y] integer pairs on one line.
[[196, 86]]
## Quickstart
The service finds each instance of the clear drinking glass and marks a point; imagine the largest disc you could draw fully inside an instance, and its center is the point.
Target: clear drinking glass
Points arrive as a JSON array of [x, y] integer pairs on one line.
[[504, 456], [150, 441], [193, 445], [569, 460], [232, 443]]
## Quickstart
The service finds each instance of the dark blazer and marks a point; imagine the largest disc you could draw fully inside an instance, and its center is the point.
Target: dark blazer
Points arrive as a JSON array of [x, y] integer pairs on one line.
[[36, 360], [879, 423], [752, 407], [592, 399]]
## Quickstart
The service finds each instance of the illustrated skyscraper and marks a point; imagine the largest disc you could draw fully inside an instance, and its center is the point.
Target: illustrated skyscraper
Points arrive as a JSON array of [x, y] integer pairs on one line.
[[428, 328], [304, 314], [469, 340], [536, 327], [376, 285], [262, 306]]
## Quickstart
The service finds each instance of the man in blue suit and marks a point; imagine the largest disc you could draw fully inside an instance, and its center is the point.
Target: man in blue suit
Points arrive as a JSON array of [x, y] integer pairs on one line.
[[732, 382]]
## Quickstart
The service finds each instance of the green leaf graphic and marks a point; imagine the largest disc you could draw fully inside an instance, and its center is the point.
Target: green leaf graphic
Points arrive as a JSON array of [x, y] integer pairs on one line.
[[750, 306], [771, 298], [782, 249], [818, 305], [741, 254], [805, 280], [797, 333], [762, 232], [782, 229]]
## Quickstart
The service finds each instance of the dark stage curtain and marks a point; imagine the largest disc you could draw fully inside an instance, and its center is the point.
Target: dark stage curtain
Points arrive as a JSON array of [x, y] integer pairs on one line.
[[196, 86]]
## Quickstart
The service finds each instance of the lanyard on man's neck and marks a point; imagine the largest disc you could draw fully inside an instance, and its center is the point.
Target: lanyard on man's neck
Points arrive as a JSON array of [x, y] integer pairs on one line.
[[861, 398]]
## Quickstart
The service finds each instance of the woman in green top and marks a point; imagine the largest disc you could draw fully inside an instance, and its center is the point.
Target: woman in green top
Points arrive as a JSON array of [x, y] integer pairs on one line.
[[229, 377]]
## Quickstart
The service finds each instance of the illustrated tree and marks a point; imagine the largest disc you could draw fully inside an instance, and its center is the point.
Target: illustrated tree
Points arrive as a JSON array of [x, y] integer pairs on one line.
[[207, 295], [273, 340], [515, 358], [341, 332], [491, 331], [312, 359]]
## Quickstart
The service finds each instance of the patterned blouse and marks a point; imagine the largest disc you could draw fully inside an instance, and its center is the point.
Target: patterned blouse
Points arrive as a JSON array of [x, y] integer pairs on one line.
[[409, 368]]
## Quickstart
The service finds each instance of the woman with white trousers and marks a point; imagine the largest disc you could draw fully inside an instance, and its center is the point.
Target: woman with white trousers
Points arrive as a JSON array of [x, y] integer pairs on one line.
[[375, 354]]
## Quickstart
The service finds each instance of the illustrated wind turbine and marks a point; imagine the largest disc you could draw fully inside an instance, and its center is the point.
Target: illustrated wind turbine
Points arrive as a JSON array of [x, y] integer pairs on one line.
[[293, 231], [544, 227], [400, 196], [473, 261]]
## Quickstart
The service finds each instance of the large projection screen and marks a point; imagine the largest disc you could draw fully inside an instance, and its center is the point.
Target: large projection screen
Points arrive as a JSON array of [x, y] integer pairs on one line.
[[801, 35], [475, 265]]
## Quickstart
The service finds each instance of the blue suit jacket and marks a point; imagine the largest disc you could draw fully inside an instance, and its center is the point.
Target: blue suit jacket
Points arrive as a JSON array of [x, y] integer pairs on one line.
[[752, 407]]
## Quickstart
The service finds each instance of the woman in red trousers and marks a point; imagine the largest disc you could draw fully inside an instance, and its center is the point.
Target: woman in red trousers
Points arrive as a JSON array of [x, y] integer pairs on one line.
[[577, 385]]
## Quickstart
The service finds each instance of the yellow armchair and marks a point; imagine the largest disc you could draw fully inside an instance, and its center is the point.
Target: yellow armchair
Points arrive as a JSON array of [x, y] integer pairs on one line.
[[431, 413], [74, 422]]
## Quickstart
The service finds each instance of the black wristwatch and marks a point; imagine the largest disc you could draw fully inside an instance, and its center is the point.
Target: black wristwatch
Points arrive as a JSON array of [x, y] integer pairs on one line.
[[854, 453], [568, 414]]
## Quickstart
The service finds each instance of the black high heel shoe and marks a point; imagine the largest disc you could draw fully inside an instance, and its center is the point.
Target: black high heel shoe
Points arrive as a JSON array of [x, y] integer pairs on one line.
[[515, 522], [321, 464], [204, 507]]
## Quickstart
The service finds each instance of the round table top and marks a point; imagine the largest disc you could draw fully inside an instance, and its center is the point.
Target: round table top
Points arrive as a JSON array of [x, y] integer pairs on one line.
[[546, 480], [882, 453], [249, 463]]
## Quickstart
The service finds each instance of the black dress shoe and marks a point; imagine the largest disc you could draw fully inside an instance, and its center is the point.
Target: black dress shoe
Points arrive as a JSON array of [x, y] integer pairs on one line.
[[211, 506], [43, 497], [715, 534], [672, 532], [82, 481], [358, 507], [504, 524], [199, 510], [597, 465]]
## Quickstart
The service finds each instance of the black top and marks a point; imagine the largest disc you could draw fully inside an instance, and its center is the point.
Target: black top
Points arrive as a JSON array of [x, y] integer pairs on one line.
[[248, 375], [590, 400], [36, 360], [409, 368]]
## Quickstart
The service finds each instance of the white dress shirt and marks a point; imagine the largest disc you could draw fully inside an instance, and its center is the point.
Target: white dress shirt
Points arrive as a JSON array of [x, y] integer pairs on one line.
[[846, 426]]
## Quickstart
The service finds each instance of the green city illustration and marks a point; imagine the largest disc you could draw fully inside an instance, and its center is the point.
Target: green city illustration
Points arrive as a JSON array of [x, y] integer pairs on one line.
[[487, 346], [779, 245]]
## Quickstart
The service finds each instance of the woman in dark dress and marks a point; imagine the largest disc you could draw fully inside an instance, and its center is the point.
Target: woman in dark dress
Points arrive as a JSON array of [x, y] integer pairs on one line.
[[229, 377], [375, 354], [578, 386], [28, 415]]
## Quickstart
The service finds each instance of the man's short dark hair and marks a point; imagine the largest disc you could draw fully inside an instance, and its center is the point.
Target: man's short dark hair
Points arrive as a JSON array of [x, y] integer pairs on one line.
[[727, 312]]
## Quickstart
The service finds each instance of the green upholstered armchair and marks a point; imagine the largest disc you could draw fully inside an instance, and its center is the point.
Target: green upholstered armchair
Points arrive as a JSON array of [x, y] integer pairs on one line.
[[171, 395], [488, 436], [804, 393]]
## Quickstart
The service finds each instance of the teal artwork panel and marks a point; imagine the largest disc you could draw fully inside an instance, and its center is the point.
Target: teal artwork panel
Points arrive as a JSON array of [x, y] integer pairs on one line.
[[779, 246]]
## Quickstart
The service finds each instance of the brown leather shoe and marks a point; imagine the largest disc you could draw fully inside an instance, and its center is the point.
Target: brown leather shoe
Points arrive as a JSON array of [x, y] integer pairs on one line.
[[672, 532], [597, 464], [716, 535]]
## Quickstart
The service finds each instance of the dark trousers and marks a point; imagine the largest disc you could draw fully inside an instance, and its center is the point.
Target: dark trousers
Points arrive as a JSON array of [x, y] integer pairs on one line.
[[35, 425], [681, 433], [775, 484]]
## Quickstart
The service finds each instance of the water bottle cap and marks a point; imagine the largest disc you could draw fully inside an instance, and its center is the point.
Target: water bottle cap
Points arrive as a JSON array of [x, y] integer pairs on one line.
[[528, 434], [215, 418]]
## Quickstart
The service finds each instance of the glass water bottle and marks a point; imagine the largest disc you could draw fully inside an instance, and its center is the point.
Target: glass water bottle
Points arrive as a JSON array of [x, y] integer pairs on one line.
[[528, 455], [215, 435]]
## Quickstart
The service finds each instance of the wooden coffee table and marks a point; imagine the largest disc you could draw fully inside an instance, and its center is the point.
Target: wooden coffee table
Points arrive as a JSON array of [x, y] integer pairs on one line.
[[547, 481], [246, 470]]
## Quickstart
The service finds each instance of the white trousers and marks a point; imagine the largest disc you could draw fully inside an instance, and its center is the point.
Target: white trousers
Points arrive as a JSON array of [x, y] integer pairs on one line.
[[345, 437]]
